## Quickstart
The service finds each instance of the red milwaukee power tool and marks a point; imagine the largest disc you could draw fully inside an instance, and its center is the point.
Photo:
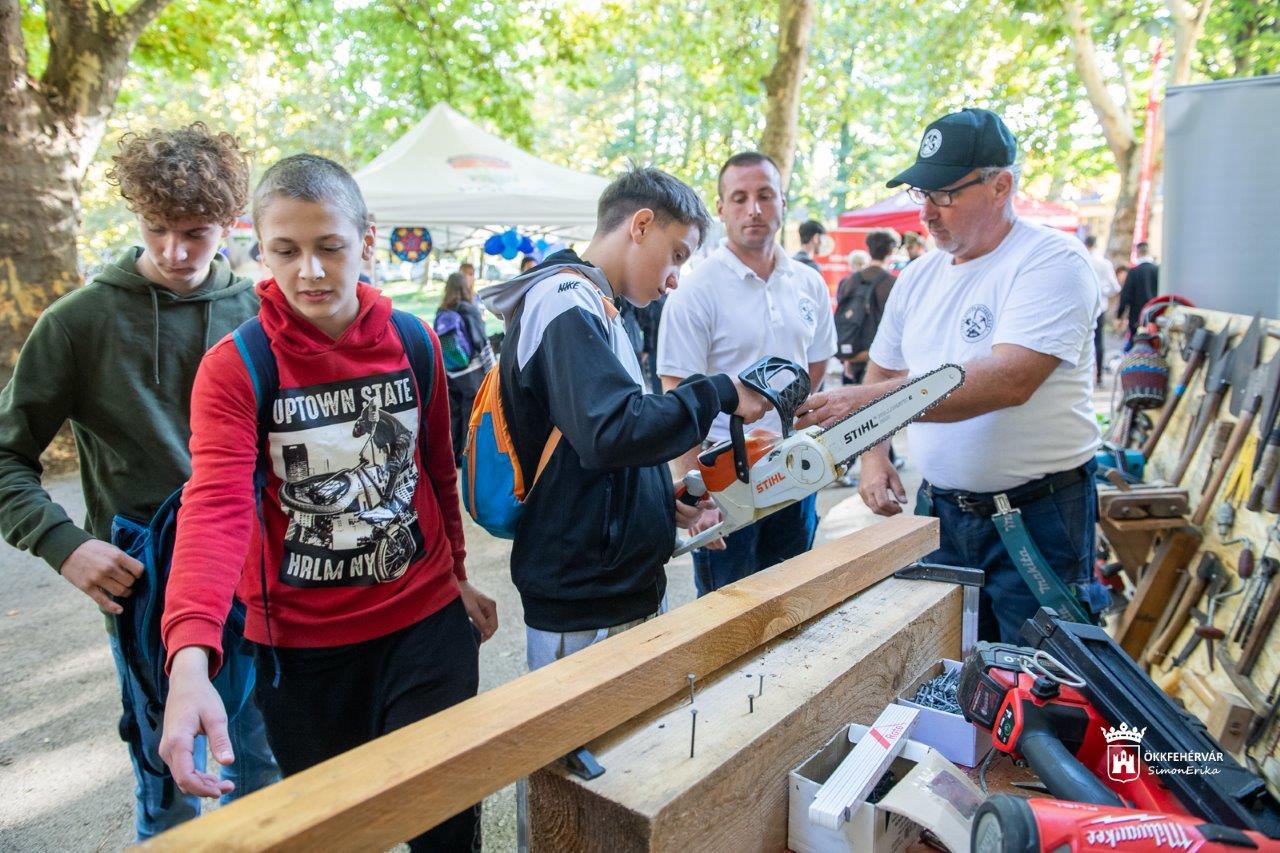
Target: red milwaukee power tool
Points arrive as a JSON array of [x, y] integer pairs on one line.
[[1098, 731], [1008, 824]]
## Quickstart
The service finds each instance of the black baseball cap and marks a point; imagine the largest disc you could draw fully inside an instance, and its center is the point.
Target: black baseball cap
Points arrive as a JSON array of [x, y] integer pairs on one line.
[[955, 145]]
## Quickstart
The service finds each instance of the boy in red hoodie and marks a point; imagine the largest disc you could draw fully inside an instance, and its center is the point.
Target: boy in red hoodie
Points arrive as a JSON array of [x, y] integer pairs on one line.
[[358, 638]]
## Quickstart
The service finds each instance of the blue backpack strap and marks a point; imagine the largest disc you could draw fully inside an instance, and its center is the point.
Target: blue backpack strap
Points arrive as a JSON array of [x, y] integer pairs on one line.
[[255, 349], [422, 362]]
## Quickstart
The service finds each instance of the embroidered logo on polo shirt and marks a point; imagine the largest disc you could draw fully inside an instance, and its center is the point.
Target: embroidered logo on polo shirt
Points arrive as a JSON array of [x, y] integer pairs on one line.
[[806, 311], [931, 143], [977, 323]]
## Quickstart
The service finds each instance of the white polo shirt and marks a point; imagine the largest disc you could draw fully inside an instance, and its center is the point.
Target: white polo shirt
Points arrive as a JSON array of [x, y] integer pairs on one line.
[[723, 318], [1037, 289]]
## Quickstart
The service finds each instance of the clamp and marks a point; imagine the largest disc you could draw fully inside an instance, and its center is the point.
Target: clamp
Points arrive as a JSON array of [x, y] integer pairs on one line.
[[970, 580]]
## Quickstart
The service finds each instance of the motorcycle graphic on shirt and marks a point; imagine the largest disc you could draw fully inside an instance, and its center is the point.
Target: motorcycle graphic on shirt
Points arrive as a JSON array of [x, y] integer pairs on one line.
[[345, 455]]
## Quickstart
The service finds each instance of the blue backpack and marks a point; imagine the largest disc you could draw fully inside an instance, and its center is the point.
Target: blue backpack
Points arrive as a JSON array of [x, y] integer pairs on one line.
[[152, 544], [455, 344]]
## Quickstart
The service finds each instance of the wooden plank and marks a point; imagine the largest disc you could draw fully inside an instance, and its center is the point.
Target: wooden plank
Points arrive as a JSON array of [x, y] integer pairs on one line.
[[414, 778], [844, 666]]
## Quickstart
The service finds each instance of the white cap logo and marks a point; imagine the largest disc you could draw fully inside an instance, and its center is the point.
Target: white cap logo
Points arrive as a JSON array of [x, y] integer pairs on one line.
[[931, 143]]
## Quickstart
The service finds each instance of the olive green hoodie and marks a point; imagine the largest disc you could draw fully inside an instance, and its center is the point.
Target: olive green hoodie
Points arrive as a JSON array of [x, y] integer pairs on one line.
[[117, 359]]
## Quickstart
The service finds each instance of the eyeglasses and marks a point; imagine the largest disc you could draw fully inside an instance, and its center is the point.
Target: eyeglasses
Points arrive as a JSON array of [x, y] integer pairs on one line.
[[940, 198]]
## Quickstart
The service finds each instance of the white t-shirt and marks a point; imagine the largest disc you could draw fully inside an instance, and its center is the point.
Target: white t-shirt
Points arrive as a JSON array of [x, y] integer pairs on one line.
[[1108, 284], [723, 318], [1037, 290]]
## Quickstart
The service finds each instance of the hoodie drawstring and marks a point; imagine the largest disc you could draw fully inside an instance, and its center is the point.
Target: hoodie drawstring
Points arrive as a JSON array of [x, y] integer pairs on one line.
[[208, 322], [155, 336]]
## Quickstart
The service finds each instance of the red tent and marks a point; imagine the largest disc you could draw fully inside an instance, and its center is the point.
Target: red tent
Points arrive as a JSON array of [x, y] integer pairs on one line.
[[902, 214]]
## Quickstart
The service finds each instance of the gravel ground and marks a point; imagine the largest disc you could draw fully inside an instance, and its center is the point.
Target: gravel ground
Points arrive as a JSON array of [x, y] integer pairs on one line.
[[65, 780]]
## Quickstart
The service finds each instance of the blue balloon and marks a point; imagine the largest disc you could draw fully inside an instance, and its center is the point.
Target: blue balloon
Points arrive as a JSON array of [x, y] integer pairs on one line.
[[510, 240], [493, 245], [510, 252], [542, 245], [526, 245]]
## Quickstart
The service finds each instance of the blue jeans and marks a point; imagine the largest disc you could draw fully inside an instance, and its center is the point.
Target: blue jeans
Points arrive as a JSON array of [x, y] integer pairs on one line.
[[781, 536], [254, 767], [1061, 525]]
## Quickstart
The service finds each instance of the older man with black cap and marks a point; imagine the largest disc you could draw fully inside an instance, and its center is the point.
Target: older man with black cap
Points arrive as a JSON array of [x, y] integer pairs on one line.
[[1008, 458]]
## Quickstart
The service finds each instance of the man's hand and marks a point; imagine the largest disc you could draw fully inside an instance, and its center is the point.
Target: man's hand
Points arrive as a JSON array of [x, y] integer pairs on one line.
[[192, 708], [751, 406], [481, 609], [100, 570], [710, 518], [879, 484], [826, 407]]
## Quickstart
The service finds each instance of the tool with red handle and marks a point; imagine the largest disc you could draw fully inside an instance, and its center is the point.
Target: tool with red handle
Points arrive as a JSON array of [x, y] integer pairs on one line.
[[1009, 824]]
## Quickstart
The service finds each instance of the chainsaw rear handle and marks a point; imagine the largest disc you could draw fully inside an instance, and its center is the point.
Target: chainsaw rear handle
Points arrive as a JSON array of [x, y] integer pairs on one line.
[[1062, 773], [785, 385]]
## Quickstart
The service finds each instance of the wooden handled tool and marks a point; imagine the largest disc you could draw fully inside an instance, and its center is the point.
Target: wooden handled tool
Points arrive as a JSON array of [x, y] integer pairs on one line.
[[1271, 500], [1219, 436], [1261, 630], [1266, 473], [1208, 409], [1251, 401], [1206, 570], [1199, 343], [1156, 588]]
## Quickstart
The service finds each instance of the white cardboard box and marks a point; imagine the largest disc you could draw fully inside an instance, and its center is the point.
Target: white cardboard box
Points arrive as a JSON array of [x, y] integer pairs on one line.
[[955, 738], [869, 829]]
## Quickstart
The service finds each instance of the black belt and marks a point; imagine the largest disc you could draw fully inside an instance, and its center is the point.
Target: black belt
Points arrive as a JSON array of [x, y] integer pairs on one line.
[[984, 504]]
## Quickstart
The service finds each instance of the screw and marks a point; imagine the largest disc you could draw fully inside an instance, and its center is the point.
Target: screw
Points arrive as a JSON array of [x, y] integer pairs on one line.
[[693, 729], [692, 678], [751, 704], [760, 689]]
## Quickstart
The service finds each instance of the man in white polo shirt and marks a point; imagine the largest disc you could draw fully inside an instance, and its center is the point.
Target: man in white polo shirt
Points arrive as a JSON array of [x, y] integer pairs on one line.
[[746, 301], [1015, 304]]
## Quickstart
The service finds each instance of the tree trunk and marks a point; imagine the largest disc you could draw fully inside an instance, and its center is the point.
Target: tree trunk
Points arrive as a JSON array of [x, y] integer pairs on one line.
[[1125, 215], [782, 86], [50, 132]]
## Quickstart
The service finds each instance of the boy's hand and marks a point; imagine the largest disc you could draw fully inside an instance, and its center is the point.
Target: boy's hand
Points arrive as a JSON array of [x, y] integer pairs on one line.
[[481, 609], [751, 406], [101, 570], [194, 708]]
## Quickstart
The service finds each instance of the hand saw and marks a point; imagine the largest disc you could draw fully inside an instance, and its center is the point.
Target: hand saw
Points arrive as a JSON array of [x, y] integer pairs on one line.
[[750, 477]]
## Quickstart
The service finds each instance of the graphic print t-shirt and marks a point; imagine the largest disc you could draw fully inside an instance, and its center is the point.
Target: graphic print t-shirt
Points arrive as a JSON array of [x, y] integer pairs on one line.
[[344, 453]]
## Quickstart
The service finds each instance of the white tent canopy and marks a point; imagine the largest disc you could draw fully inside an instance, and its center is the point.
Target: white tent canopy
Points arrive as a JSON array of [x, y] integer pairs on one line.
[[448, 175]]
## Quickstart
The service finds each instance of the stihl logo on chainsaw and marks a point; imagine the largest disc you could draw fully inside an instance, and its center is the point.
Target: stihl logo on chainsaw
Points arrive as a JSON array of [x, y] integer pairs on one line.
[[770, 481], [862, 429]]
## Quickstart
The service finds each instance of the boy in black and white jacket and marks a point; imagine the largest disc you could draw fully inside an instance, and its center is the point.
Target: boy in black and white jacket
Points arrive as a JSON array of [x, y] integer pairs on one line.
[[600, 524]]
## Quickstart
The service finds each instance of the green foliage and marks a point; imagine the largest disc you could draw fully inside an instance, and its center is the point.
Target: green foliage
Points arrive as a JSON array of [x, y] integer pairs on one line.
[[673, 83]]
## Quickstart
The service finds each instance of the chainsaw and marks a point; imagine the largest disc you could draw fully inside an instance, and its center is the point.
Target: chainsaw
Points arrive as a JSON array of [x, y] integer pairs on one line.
[[752, 476]]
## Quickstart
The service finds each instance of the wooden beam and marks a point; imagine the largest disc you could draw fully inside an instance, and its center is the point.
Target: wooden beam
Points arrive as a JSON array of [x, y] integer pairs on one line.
[[414, 778], [1155, 589], [841, 667]]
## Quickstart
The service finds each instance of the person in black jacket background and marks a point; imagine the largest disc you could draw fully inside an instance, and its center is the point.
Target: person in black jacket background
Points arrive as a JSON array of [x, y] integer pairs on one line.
[[1141, 284]]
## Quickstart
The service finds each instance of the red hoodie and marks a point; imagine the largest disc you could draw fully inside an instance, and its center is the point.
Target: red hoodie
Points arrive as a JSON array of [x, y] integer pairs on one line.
[[364, 535]]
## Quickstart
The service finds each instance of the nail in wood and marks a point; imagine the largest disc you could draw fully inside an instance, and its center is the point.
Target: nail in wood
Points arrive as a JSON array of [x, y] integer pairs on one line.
[[692, 679], [693, 729]]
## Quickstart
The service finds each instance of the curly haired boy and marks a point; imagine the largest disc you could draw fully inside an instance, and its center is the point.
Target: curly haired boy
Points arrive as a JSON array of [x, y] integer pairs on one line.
[[117, 358]]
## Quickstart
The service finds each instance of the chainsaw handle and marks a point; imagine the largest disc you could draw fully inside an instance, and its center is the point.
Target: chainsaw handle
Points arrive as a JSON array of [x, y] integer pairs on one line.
[[741, 465], [1062, 773]]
